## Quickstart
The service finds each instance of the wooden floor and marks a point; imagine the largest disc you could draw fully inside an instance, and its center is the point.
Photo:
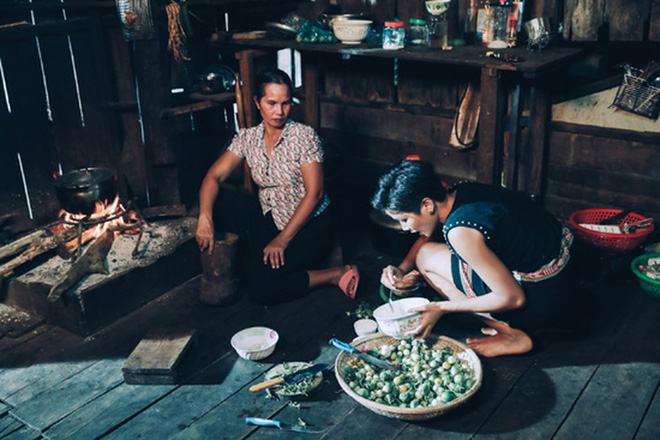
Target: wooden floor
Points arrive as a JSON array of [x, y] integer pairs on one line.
[[602, 385]]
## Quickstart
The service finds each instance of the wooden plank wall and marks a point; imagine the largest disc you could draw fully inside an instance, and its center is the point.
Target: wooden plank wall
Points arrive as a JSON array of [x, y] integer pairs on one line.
[[591, 167], [369, 116], [55, 84], [611, 20]]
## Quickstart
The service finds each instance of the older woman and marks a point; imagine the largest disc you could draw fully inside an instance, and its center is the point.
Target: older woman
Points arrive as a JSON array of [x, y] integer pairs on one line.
[[289, 230], [503, 256]]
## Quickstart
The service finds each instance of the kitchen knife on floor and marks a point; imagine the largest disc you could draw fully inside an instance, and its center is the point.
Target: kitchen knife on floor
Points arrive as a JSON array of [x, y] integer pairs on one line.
[[294, 377], [280, 425], [362, 355]]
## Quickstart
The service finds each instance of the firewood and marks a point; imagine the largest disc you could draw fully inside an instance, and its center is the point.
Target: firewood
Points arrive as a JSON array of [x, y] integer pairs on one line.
[[18, 246], [36, 248], [92, 261]]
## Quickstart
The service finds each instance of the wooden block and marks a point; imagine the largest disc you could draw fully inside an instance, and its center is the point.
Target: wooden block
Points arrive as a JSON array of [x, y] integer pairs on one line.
[[156, 358]]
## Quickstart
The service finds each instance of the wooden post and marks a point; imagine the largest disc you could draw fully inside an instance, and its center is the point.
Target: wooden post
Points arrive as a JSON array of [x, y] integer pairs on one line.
[[311, 83], [491, 127], [512, 156], [540, 112], [219, 284], [152, 69]]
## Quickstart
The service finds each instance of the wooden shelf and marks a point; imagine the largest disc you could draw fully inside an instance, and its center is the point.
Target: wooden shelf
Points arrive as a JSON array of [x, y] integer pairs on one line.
[[204, 102]]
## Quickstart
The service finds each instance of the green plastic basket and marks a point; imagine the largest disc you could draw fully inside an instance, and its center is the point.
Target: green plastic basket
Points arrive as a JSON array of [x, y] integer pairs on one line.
[[650, 286]]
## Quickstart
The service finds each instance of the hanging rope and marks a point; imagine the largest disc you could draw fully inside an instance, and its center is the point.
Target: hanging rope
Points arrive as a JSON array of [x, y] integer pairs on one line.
[[176, 32]]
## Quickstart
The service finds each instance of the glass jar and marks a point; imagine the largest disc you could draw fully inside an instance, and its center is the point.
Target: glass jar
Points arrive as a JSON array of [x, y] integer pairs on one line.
[[499, 25], [438, 31], [417, 35], [394, 35]]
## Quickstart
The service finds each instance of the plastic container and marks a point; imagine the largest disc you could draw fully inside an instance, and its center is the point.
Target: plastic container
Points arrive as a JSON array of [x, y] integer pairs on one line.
[[608, 243], [255, 343], [438, 31], [649, 285], [394, 35], [499, 25], [418, 32]]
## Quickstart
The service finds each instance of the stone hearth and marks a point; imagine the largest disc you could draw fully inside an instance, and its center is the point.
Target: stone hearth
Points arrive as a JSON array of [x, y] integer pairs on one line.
[[167, 256]]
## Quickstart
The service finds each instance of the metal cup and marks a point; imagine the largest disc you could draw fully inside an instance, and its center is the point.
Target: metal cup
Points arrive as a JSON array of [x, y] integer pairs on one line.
[[538, 36]]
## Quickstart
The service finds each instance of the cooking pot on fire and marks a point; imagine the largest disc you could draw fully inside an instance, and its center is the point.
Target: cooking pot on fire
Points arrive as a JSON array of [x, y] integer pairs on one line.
[[79, 190]]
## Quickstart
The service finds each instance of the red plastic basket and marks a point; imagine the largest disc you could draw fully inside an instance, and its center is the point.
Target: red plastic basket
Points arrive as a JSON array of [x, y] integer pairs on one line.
[[606, 242]]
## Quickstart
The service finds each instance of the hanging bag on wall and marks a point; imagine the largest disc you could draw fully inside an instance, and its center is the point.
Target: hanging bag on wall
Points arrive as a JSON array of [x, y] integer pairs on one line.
[[466, 121]]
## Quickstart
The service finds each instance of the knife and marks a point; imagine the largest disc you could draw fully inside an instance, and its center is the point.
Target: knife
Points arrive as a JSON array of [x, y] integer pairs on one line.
[[284, 426], [294, 377], [364, 356]]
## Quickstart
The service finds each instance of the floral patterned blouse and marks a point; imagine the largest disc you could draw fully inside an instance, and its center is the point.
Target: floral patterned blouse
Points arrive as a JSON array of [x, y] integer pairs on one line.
[[280, 180]]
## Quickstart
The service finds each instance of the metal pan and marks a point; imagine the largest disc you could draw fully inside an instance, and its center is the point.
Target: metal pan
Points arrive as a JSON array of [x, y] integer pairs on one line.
[[79, 190]]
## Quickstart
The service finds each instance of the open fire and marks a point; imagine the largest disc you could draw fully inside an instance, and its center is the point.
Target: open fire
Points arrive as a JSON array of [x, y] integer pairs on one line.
[[106, 216]]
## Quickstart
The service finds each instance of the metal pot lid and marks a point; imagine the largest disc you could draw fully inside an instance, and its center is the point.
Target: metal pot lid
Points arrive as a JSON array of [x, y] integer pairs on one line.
[[84, 178]]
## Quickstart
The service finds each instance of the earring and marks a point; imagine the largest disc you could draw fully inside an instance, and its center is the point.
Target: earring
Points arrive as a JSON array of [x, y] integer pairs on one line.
[[432, 212]]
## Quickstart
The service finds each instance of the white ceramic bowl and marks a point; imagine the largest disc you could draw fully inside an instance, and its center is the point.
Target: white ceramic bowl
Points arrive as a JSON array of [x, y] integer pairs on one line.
[[255, 343], [365, 327], [351, 31], [437, 7], [396, 320]]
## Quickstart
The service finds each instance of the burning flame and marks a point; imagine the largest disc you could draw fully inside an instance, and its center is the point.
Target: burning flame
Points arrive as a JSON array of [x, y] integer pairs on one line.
[[102, 210]]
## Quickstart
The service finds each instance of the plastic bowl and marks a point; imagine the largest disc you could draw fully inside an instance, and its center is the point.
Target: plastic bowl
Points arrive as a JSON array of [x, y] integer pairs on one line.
[[351, 31], [396, 320], [365, 327], [437, 7], [649, 285], [255, 343]]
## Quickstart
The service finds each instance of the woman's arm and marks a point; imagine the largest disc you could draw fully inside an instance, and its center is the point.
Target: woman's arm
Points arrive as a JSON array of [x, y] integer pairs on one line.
[[401, 277], [312, 174], [506, 292], [219, 171]]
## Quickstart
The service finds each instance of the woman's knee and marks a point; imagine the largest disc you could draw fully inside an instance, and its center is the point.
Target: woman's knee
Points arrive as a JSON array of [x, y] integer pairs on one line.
[[431, 256]]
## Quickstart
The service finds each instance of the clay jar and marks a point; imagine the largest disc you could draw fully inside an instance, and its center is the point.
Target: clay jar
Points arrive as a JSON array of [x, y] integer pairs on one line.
[[219, 282]]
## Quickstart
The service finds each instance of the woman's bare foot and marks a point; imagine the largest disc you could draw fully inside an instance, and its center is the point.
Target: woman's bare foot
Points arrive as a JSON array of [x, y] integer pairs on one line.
[[507, 340]]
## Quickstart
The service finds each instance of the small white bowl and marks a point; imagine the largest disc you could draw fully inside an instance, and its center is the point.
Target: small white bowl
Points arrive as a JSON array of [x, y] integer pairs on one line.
[[437, 7], [365, 327], [351, 31], [255, 343], [396, 320]]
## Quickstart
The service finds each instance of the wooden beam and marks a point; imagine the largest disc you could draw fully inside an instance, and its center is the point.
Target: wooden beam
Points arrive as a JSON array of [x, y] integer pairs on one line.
[[311, 82], [540, 110], [491, 127]]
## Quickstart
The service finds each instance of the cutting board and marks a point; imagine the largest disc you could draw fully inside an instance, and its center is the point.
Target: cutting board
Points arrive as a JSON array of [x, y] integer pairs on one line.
[[156, 358]]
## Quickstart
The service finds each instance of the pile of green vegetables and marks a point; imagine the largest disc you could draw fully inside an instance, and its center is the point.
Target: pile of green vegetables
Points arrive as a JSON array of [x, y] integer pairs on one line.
[[302, 387], [428, 377]]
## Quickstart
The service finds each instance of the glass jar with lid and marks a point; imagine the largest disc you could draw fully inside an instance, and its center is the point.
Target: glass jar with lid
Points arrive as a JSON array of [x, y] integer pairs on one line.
[[394, 35], [437, 31], [417, 34]]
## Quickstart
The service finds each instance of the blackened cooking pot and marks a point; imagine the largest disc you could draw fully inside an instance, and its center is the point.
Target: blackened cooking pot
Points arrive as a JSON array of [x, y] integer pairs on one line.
[[79, 190]]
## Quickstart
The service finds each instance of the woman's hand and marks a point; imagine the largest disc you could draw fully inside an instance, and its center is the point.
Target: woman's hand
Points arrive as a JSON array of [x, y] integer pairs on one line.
[[274, 252], [430, 315], [394, 278], [205, 234]]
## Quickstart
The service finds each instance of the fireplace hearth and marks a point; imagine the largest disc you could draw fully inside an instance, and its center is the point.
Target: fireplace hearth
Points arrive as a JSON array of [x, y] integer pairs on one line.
[[141, 265]]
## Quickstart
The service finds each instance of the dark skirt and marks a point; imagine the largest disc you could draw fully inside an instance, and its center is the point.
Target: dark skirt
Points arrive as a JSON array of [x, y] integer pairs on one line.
[[241, 213]]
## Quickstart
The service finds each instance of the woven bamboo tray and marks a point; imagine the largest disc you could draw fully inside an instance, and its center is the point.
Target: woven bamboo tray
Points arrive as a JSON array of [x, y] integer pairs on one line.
[[374, 342]]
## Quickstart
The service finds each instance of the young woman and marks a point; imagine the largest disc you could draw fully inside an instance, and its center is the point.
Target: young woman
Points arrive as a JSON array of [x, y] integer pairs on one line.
[[288, 231], [503, 256]]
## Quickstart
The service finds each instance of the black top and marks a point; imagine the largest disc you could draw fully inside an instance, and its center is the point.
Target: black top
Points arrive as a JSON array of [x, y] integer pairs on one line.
[[522, 234]]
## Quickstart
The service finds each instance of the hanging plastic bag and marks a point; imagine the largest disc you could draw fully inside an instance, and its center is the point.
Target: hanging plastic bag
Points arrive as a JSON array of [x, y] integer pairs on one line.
[[466, 121]]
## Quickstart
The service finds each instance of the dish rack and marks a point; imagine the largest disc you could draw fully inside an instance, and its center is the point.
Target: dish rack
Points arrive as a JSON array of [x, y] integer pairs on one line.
[[637, 96]]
